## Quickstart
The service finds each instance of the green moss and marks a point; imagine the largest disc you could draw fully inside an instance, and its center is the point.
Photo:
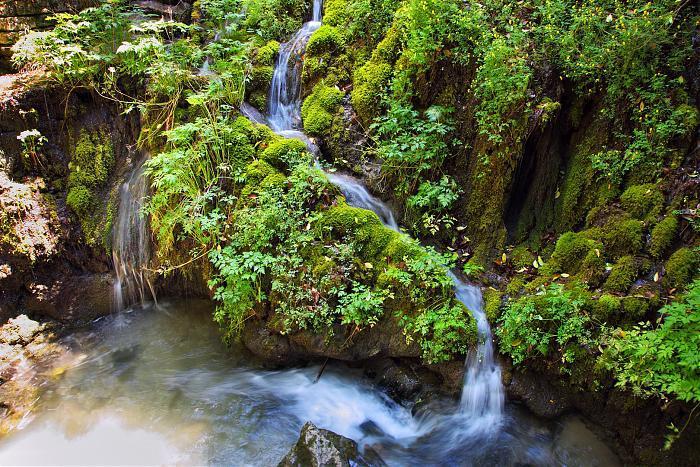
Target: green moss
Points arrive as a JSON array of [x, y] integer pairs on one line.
[[522, 257], [606, 307], [681, 268], [318, 109], [620, 236], [285, 153], [515, 286], [258, 99], [257, 171], [261, 78], [370, 83], [89, 170], [592, 270], [571, 249], [325, 39], [492, 304], [662, 236], [643, 202], [266, 54], [622, 275], [81, 201], [634, 308]]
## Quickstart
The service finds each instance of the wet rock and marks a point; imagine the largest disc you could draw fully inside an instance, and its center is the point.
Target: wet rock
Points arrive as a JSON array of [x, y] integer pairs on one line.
[[541, 397], [81, 298], [19, 330], [318, 447], [178, 11], [401, 382]]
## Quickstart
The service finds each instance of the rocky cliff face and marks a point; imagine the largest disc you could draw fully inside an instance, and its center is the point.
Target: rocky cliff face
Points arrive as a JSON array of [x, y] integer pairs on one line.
[[46, 264], [17, 17]]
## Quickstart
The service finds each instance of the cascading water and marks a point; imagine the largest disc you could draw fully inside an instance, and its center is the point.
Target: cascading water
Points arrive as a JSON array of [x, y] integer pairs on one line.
[[131, 244], [482, 398], [285, 90]]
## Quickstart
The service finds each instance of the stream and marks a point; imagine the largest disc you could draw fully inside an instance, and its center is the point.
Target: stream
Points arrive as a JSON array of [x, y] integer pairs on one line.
[[157, 386]]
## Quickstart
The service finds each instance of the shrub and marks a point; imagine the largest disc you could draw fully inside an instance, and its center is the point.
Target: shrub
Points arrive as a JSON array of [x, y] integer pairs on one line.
[[662, 360], [552, 321]]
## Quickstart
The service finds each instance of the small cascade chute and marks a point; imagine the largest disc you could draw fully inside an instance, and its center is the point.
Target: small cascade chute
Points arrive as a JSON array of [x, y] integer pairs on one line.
[[131, 250], [285, 89]]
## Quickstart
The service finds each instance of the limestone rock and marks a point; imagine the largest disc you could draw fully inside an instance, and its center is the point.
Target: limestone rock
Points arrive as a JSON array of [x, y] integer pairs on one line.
[[318, 447]]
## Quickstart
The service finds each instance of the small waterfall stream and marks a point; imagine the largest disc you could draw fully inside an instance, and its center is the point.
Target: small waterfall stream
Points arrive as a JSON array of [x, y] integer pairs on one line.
[[482, 397], [131, 251], [285, 91]]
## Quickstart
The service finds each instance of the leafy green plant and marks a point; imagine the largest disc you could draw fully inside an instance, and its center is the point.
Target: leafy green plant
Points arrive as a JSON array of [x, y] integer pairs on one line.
[[552, 321], [433, 201], [661, 360], [411, 146]]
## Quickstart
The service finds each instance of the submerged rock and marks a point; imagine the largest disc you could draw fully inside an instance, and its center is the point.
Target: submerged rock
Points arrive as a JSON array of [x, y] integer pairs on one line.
[[318, 447]]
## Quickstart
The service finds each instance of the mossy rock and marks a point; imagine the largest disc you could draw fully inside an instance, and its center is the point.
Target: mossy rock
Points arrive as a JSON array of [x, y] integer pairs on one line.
[[266, 54], [492, 304], [622, 275], [285, 153], [643, 202], [592, 270], [620, 236], [257, 171], [81, 201], [606, 307], [260, 78], [370, 83], [522, 257], [681, 268], [325, 39], [634, 308], [361, 226], [89, 171], [662, 236], [258, 99], [571, 249], [318, 109]]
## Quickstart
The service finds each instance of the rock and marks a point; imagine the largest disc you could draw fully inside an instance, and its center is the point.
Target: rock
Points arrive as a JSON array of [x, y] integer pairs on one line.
[[179, 11], [541, 397], [318, 447], [80, 298], [19, 330]]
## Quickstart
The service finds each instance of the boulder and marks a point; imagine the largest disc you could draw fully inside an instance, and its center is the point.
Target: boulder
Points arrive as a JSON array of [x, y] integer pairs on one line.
[[318, 447]]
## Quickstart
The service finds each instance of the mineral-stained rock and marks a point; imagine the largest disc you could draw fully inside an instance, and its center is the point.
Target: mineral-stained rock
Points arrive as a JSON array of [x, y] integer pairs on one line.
[[19, 330], [318, 447]]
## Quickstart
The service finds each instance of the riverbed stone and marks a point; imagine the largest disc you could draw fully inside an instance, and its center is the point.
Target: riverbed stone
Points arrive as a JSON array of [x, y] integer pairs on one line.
[[19, 330], [318, 447]]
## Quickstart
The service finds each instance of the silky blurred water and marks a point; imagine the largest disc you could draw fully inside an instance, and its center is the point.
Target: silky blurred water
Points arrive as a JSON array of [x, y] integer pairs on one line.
[[157, 386]]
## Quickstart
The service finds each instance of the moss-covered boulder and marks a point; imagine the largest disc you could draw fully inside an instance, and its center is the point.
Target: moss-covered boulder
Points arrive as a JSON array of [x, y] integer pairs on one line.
[[643, 202], [662, 236], [681, 268], [319, 108]]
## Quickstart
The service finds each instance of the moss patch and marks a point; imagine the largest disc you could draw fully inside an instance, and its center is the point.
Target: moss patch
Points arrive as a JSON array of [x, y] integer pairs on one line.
[[90, 168], [318, 109], [643, 202], [681, 267]]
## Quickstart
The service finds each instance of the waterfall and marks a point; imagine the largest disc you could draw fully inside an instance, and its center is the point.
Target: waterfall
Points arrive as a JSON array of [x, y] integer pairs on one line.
[[482, 399], [131, 251], [285, 90]]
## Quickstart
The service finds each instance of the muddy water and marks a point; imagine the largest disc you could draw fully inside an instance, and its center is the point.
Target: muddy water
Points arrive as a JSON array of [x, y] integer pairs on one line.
[[157, 386]]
